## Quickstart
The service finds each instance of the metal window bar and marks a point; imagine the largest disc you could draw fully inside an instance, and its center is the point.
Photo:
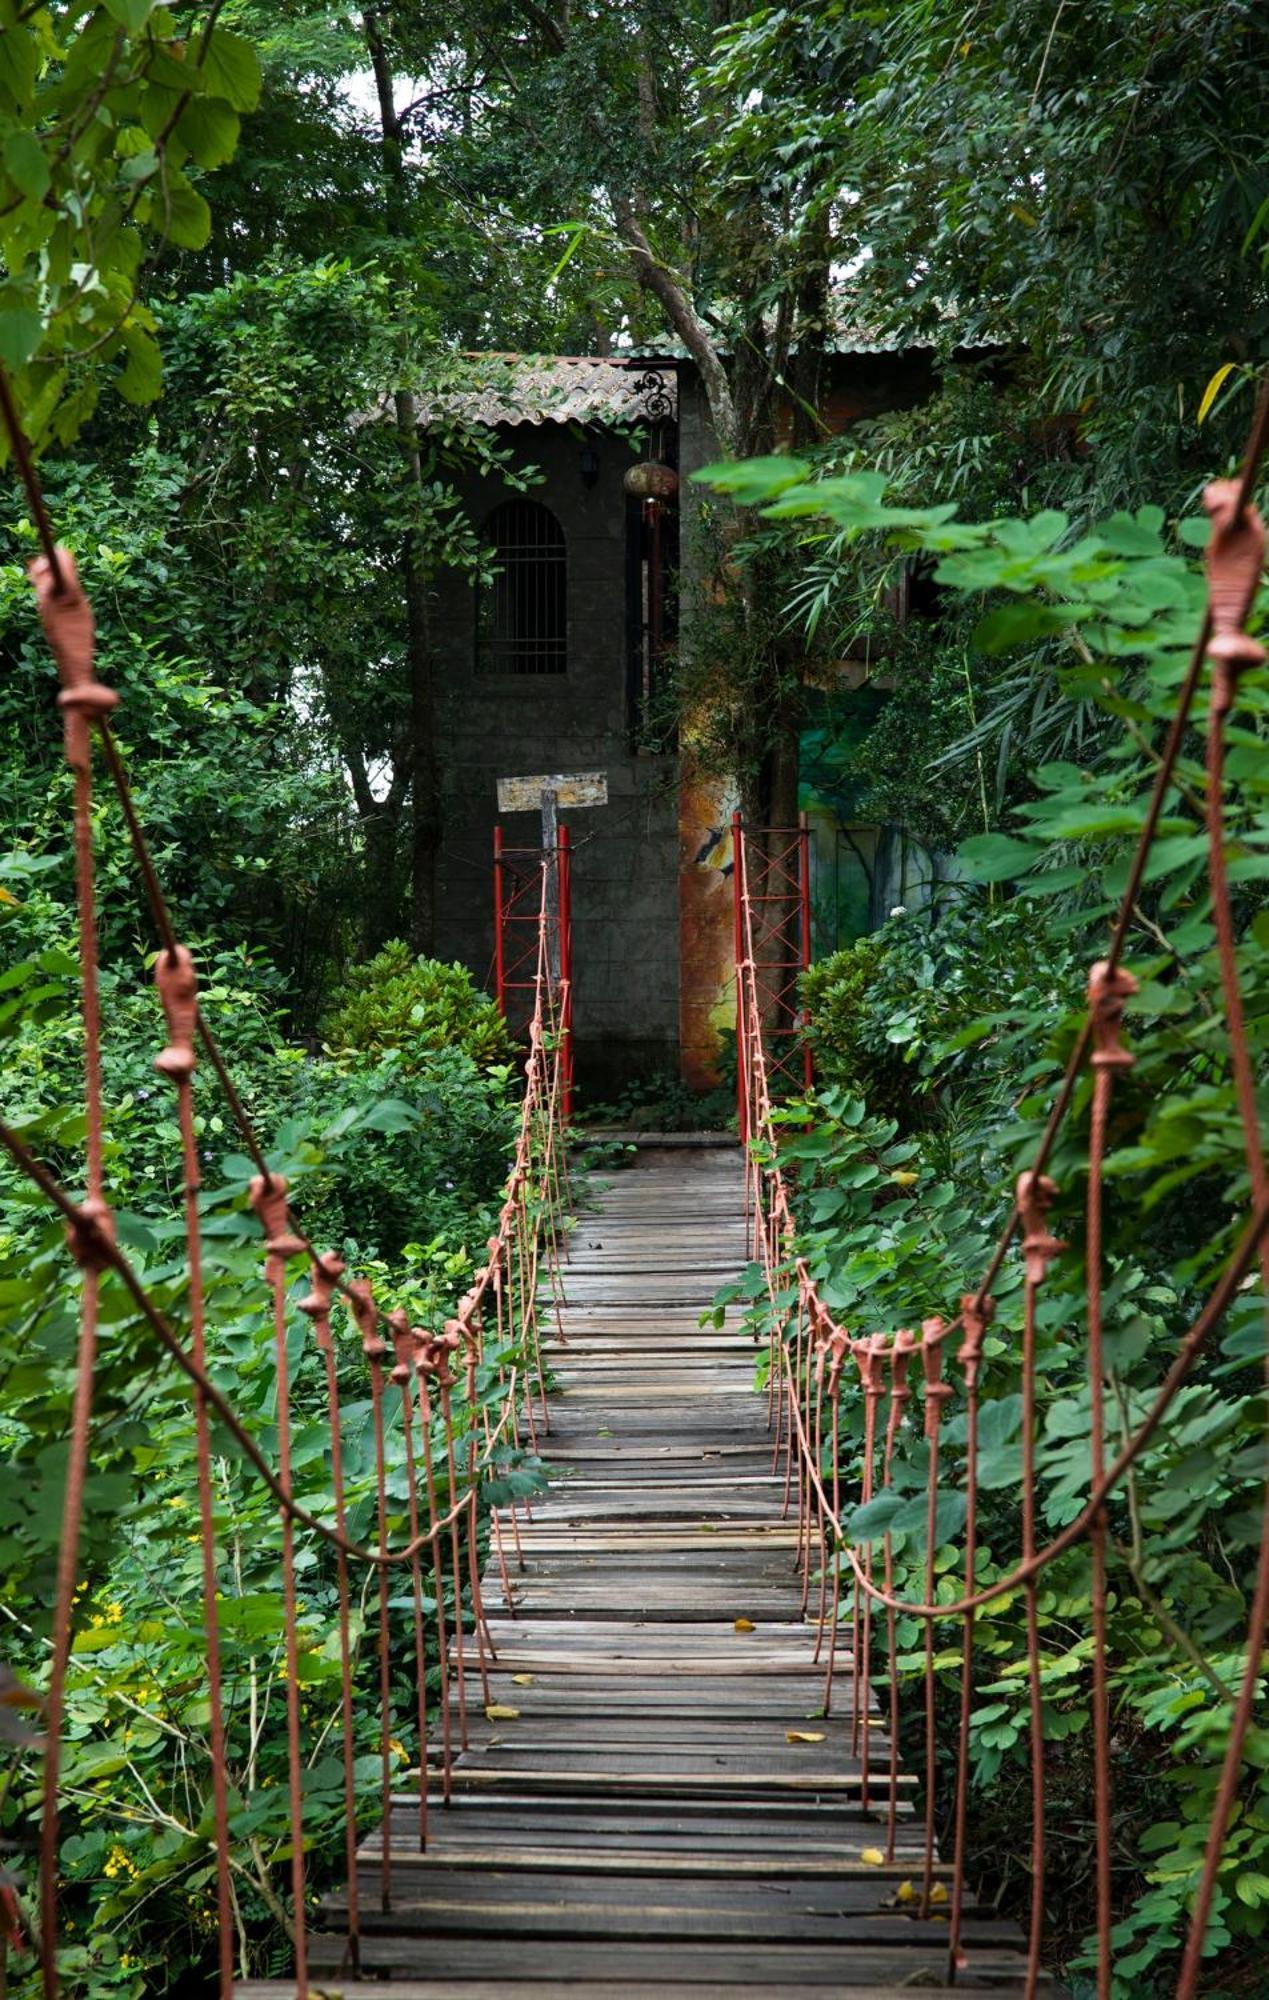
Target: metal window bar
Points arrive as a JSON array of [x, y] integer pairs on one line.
[[522, 622]]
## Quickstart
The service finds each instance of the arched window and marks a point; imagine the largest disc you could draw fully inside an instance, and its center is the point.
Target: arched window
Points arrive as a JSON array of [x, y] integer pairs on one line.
[[522, 614]]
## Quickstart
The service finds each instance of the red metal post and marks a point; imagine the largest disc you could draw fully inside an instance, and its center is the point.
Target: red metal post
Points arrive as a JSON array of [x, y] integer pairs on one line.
[[500, 969], [564, 854], [738, 892], [804, 897]]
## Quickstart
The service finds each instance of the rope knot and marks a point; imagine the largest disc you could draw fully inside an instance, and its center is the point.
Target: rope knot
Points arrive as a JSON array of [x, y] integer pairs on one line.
[[178, 993], [458, 1334], [1108, 992], [838, 1349], [91, 1235], [268, 1198], [933, 1333], [424, 1365], [819, 1341], [447, 1345], [315, 1305], [1235, 555], [361, 1304], [1235, 559], [868, 1357], [402, 1345], [902, 1348], [431, 1356], [977, 1314], [1035, 1196], [67, 618]]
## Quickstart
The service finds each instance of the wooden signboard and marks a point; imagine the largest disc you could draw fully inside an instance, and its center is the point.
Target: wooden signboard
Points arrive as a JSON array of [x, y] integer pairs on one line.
[[577, 788], [546, 795]]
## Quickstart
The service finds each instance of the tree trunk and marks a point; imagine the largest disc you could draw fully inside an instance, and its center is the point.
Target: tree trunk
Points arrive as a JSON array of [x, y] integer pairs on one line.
[[804, 372], [379, 916], [425, 814], [380, 820], [784, 764], [425, 821]]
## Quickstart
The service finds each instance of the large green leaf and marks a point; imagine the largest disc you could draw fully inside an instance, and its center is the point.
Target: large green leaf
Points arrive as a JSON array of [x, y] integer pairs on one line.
[[209, 128], [21, 330], [995, 857], [177, 210], [231, 69], [25, 162]]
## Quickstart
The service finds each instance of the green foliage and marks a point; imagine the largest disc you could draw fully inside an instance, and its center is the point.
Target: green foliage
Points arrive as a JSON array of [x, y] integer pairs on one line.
[[416, 1006], [664, 1103], [903, 1016], [836, 992], [109, 115]]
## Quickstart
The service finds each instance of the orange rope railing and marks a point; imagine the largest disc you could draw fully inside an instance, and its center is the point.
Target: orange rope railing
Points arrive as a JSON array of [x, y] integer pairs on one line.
[[452, 1431], [810, 1350]]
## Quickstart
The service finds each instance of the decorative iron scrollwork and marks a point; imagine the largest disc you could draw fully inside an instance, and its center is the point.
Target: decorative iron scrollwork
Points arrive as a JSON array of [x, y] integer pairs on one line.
[[658, 403]]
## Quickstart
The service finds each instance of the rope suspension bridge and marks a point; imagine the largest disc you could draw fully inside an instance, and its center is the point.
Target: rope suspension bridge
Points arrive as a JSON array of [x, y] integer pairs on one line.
[[666, 1754]]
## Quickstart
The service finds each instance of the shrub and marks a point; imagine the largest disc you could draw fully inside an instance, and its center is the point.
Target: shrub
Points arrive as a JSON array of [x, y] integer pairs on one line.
[[413, 1151], [838, 995], [902, 1016], [416, 1005]]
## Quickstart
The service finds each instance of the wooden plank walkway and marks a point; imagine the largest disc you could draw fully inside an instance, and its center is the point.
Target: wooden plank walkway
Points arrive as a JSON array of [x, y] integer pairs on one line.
[[643, 1825]]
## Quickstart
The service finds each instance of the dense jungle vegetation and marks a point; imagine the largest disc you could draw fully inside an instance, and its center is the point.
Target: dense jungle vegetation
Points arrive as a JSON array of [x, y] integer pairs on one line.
[[241, 246]]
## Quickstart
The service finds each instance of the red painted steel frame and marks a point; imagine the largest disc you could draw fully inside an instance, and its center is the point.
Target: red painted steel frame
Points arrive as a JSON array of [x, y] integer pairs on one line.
[[738, 903], [771, 874], [517, 884], [500, 963], [565, 863]]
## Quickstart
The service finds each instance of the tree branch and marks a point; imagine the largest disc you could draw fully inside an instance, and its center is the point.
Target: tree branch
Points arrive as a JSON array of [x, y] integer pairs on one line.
[[685, 320]]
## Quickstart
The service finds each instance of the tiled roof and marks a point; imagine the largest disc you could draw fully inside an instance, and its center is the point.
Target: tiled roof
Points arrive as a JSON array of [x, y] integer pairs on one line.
[[601, 388], [550, 389]]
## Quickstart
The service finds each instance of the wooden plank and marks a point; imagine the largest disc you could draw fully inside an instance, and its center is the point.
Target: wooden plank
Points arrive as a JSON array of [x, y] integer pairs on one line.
[[707, 1817], [748, 1917], [746, 1964], [545, 1987], [636, 1783], [571, 788], [577, 1862]]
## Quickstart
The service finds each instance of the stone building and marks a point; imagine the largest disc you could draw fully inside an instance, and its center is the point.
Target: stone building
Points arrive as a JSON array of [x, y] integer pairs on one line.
[[553, 668]]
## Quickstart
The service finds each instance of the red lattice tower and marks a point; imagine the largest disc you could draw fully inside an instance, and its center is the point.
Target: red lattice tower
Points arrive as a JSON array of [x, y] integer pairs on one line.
[[771, 879], [518, 921]]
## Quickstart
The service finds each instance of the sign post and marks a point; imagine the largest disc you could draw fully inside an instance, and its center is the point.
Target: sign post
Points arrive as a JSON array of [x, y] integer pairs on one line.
[[545, 795]]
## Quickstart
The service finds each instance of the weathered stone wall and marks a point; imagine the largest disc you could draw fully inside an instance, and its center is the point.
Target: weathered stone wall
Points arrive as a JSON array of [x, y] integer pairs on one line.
[[625, 908]]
